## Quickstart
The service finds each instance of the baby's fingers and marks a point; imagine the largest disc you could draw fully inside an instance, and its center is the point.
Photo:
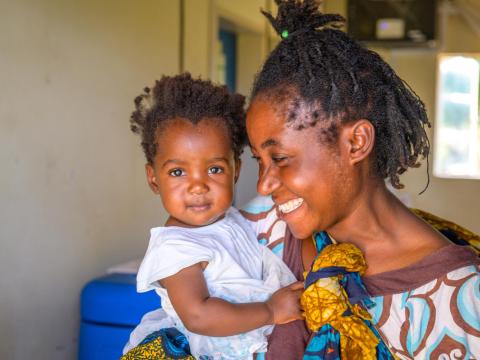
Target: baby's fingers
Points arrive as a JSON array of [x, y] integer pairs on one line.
[[298, 285]]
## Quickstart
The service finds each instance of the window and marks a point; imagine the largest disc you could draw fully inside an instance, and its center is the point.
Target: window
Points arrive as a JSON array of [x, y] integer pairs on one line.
[[457, 126]]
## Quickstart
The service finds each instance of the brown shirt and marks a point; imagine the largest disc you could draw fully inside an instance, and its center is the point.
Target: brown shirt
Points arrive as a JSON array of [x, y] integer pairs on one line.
[[433, 266]]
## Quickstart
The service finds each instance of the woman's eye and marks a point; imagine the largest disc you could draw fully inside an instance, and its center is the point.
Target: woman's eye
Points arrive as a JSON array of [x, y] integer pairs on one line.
[[215, 170], [176, 172], [279, 159]]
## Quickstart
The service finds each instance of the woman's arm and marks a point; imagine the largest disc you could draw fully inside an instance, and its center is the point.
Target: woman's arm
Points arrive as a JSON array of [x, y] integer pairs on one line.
[[212, 316]]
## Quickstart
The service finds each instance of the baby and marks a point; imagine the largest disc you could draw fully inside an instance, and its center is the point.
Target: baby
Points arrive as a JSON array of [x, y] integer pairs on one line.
[[217, 285]]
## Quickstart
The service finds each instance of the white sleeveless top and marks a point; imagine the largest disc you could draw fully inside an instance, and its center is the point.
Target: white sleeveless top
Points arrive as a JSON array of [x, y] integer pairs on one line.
[[239, 270]]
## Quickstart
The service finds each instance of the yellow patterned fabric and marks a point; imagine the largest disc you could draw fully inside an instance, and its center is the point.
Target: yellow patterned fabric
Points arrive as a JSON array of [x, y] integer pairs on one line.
[[166, 344], [326, 302], [454, 232], [153, 350]]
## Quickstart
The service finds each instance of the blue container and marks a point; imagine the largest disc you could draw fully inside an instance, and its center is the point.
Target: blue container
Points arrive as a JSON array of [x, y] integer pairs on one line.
[[110, 310]]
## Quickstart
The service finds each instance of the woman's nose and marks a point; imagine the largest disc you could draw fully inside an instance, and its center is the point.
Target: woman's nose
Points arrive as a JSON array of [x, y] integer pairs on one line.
[[268, 181]]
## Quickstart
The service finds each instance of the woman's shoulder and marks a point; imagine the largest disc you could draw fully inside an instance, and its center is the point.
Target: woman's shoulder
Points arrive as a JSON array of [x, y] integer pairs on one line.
[[435, 302], [440, 265]]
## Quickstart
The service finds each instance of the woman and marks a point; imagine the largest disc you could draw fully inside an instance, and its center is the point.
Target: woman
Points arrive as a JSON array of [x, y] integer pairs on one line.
[[329, 121]]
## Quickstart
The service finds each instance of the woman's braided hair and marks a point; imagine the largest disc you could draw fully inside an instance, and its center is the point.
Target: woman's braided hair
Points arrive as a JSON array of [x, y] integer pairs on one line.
[[340, 80], [191, 99]]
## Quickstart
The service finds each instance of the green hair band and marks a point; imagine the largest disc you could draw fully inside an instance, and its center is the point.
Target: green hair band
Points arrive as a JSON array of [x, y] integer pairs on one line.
[[284, 34]]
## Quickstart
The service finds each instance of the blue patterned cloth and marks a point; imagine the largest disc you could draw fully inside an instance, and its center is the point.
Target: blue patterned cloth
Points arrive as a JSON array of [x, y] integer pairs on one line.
[[174, 342], [164, 344]]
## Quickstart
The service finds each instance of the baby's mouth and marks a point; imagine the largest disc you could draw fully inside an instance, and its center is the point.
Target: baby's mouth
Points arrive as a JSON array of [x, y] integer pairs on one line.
[[199, 207], [290, 205]]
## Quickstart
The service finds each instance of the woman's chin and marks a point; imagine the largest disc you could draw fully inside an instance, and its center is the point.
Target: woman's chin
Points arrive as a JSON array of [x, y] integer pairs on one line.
[[300, 231]]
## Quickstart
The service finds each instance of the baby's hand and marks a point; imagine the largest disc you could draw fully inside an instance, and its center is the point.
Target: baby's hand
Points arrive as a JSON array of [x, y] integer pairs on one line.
[[285, 303]]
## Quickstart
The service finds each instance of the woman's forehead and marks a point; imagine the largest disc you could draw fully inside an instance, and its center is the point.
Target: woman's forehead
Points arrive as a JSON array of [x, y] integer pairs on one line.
[[267, 127], [265, 115], [293, 113]]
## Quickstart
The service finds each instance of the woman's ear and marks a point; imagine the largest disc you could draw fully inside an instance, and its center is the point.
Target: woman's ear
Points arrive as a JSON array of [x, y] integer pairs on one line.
[[238, 166], [361, 139], [151, 179]]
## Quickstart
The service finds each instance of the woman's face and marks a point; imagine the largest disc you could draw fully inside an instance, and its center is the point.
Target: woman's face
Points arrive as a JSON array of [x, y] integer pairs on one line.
[[309, 181]]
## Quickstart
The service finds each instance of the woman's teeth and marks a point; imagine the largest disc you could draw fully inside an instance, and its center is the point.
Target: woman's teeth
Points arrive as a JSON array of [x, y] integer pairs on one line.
[[291, 205]]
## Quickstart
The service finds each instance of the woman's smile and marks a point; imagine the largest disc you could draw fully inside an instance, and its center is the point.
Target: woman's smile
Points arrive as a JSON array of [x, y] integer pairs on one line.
[[290, 206]]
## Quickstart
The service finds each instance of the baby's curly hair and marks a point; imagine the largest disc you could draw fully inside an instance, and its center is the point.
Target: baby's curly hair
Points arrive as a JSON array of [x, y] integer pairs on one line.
[[191, 99], [339, 80]]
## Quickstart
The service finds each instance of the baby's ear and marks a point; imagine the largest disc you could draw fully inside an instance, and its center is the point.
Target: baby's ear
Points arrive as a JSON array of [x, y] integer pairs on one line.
[[151, 179], [238, 165]]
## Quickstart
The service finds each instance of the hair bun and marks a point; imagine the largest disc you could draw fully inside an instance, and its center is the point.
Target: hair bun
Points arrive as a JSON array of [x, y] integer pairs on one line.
[[297, 16]]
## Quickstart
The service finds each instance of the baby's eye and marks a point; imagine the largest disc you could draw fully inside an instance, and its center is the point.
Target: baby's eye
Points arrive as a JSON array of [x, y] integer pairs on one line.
[[215, 170], [176, 172]]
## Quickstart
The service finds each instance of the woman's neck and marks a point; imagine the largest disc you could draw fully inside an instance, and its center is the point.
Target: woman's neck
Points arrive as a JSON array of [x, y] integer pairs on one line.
[[386, 231], [373, 218]]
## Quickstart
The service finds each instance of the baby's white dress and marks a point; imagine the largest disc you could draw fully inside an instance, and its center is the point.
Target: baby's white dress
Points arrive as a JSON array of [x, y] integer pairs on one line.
[[239, 270]]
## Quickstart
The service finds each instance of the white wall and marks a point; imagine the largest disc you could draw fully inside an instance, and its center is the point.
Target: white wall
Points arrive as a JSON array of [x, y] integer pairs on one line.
[[249, 62], [201, 31], [72, 190], [245, 13]]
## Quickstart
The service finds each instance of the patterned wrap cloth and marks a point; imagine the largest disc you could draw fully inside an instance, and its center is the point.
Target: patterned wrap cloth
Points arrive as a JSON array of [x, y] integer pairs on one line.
[[335, 303], [165, 344]]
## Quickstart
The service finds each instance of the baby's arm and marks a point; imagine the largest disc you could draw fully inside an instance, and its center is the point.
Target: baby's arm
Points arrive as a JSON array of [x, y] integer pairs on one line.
[[213, 316]]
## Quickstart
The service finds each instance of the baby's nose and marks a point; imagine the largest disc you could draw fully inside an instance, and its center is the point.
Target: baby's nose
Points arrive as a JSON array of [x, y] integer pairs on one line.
[[198, 187]]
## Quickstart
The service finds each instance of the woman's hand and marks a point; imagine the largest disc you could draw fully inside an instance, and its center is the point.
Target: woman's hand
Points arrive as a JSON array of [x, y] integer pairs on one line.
[[285, 304]]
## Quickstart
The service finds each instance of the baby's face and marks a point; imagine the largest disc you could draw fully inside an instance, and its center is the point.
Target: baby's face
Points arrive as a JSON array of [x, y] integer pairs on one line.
[[194, 171]]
